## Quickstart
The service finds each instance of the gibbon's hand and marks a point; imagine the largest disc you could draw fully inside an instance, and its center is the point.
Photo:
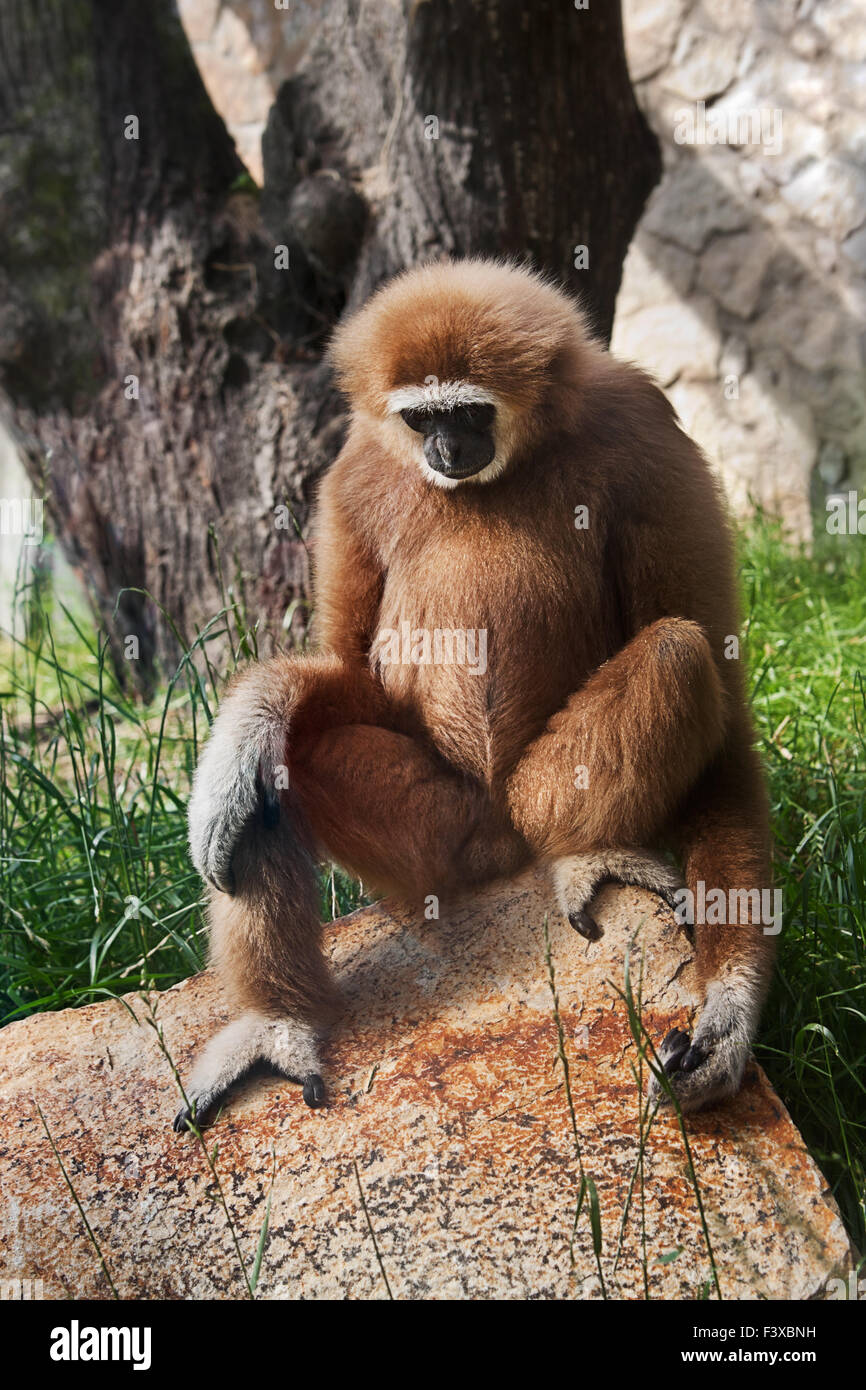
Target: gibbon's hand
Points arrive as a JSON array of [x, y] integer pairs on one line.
[[233, 783], [708, 1065]]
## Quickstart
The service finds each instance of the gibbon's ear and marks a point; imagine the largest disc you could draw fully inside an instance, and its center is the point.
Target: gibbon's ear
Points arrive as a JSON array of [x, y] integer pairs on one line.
[[499, 326]]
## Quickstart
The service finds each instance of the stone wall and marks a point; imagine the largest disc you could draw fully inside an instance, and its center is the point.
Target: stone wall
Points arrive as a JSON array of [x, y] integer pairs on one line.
[[743, 292]]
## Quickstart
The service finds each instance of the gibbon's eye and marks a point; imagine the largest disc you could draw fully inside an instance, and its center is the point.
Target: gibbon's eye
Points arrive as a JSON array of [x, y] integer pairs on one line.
[[417, 419], [478, 416]]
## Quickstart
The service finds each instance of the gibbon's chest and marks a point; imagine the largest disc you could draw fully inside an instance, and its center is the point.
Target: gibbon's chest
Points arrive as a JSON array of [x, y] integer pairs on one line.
[[485, 627]]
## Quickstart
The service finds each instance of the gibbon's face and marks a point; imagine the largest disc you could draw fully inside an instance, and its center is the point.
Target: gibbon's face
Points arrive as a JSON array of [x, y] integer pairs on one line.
[[454, 431]]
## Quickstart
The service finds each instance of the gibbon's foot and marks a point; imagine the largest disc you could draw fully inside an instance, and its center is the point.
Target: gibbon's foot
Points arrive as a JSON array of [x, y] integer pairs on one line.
[[578, 877], [197, 1111], [674, 1049], [287, 1045], [709, 1066]]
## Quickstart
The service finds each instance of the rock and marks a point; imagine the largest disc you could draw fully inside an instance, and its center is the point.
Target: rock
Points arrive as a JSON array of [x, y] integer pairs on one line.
[[677, 338], [732, 270], [693, 203], [444, 1093], [244, 49], [830, 193], [704, 65], [832, 464], [651, 28]]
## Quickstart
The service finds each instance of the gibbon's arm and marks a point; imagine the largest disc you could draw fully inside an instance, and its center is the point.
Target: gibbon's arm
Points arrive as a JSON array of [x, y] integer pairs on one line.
[[644, 726], [348, 579], [282, 704]]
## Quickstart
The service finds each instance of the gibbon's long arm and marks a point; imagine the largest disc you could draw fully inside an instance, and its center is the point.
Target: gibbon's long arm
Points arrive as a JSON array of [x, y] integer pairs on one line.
[[348, 579], [245, 763]]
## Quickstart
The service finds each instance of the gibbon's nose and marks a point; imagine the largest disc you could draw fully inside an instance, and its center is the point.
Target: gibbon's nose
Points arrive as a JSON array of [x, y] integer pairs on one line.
[[458, 453], [449, 452]]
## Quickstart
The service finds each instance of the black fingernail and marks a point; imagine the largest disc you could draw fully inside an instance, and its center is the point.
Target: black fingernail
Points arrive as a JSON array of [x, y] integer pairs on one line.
[[314, 1091], [586, 925], [693, 1058]]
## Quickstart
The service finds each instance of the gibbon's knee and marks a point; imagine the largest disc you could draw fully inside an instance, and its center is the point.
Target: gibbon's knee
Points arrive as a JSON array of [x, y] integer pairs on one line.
[[245, 761], [612, 765]]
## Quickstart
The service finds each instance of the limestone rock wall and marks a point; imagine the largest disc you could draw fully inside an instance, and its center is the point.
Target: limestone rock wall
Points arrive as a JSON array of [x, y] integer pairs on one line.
[[244, 50], [744, 289]]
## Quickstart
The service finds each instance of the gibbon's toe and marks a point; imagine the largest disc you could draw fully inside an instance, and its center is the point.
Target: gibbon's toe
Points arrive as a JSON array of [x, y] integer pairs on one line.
[[673, 1050], [693, 1058], [586, 924], [194, 1115], [183, 1120], [314, 1091], [700, 1073]]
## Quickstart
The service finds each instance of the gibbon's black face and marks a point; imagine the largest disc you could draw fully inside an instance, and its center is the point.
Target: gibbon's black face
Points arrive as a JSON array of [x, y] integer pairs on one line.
[[458, 442]]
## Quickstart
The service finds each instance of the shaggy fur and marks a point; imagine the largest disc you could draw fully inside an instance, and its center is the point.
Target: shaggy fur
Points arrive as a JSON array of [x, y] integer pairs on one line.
[[607, 717]]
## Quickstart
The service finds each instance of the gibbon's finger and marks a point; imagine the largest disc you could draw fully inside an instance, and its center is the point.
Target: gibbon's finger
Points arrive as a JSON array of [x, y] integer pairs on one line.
[[584, 923], [314, 1091]]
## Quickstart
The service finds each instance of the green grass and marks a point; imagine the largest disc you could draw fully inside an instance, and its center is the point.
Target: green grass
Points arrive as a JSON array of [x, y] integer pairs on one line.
[[98, 896], [97, 893], [806, 646]]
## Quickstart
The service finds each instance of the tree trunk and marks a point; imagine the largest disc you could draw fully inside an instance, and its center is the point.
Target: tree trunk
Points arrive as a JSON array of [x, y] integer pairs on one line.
[[161, 369]]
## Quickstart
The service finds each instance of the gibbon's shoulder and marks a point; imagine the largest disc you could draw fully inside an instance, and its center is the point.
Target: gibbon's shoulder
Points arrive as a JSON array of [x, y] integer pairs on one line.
[[359, 467], [629, 423], [356, 491]]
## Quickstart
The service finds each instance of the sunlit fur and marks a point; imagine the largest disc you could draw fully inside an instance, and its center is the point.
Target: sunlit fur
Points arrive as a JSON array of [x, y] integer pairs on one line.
[[606, 654]]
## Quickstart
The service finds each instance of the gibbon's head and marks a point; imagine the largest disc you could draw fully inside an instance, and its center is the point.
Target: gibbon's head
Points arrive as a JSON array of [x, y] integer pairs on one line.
[[458, 363]]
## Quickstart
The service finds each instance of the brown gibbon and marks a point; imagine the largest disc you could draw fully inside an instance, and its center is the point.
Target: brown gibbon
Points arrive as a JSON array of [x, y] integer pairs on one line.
[[505, 485]]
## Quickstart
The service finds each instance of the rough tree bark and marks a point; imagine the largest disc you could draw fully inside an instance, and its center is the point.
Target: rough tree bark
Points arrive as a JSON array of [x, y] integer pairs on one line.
[[410, 130]]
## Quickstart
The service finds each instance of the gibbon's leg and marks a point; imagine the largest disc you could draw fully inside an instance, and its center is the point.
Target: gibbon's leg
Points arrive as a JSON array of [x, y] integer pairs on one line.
[[266, 947], [612, 766], [578, 877], [725, 838], [393, 812], [238, 773], [386, 807], [250, 839]]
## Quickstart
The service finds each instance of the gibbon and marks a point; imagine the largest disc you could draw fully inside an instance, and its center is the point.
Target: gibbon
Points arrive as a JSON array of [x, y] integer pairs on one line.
[[502, 475]]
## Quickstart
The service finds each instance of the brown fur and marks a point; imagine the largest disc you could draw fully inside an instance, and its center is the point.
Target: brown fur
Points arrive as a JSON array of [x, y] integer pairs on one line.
[[605, 645]]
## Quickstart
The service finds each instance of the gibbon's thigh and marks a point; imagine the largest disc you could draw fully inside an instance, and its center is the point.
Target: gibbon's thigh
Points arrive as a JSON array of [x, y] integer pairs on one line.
[[612, 766], [391, 811]]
